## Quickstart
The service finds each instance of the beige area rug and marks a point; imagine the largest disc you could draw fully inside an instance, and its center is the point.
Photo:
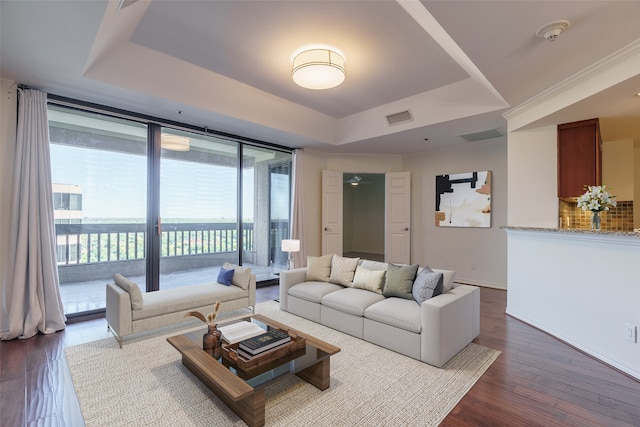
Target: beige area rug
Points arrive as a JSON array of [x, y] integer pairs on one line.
[[145, 384]]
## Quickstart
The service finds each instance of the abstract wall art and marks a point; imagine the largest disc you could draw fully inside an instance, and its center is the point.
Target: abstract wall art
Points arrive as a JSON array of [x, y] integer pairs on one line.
[[463, 200]]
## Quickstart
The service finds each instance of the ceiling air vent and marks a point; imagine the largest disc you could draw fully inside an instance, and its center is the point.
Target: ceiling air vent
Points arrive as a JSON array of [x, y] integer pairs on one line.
[[402, 117], [481, 136], [125, 3]]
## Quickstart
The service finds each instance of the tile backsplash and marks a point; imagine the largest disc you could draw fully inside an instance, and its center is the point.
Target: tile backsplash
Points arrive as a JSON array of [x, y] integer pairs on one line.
[[619, 218]]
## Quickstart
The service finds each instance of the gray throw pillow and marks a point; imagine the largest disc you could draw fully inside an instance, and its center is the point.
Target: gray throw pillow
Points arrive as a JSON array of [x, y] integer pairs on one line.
[[427, 285], [399, 281], [132, 289]]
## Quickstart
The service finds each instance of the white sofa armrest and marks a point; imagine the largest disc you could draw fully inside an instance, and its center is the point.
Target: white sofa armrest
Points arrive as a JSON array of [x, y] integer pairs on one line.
[[288, 278], [450, 321], [119, 317]]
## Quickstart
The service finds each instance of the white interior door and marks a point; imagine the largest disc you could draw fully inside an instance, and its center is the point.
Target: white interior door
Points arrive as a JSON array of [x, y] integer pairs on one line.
[[397, 240], [332, 222]]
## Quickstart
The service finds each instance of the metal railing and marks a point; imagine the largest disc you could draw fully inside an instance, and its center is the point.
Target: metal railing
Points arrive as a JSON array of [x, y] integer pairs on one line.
[[98, 243]]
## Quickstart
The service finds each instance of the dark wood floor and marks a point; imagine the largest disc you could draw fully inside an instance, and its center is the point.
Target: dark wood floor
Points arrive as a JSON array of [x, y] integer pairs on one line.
[[536, 381]]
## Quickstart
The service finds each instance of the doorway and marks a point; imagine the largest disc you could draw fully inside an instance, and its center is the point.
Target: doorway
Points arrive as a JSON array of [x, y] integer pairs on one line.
[[364, 215]]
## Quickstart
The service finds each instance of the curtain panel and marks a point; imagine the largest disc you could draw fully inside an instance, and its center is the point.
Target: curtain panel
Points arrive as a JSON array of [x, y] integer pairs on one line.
[[297, 209], [32, 292]]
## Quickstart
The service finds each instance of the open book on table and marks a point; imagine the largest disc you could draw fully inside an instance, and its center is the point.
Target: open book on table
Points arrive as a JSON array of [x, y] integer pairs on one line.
[[240, 331]]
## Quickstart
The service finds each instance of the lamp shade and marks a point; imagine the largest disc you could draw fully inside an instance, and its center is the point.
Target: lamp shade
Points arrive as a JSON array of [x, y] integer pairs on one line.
[[318, 69], [290, 245]]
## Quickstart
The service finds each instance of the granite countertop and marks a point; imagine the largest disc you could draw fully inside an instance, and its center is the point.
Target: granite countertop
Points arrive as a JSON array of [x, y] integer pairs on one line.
[[575, 230]]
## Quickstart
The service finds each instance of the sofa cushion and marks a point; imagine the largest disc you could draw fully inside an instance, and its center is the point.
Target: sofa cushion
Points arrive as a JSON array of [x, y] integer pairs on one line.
[[319, 268], [241, 275], [370, 280], [225, 276], [132, 289], [313, 291], [397, 312], [399, 281], [343, 270], [186, 298], [428, 284], [351, 301]]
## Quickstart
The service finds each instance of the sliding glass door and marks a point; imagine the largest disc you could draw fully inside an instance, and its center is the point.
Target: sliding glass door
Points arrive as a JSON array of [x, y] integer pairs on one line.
[[164, 206], [266, 190], [198, 207], [99, 176]]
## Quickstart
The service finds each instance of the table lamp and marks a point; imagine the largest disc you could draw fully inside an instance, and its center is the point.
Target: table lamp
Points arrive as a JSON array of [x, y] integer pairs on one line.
[[290, 245]]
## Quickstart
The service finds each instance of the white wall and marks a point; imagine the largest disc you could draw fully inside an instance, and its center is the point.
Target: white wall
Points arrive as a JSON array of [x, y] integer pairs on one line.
[[636, 181], [478, 255], [618, 167], [314, 163], [580, 287], [532, 177], [8, 114]]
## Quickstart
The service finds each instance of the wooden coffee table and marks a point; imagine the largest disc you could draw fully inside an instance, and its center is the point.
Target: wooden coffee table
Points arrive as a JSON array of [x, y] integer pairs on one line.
[[243, 391]]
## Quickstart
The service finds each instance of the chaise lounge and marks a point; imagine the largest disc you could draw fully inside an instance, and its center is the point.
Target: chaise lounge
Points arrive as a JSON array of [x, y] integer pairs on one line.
[[129, 311]]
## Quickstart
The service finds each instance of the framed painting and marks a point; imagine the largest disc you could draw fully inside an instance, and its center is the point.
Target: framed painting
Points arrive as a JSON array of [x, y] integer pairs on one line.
[[463, 200]]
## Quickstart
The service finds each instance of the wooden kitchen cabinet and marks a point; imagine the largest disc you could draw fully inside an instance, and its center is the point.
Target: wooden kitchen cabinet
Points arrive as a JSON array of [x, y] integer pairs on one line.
[[579, 157]]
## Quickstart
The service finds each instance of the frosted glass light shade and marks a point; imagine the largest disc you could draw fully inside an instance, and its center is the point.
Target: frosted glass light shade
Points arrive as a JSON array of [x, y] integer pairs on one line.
[[318, 69], [290, 245], [174, 142]]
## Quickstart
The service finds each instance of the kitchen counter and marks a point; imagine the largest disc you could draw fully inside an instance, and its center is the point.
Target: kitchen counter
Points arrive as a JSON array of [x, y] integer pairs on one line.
[[576, 231]]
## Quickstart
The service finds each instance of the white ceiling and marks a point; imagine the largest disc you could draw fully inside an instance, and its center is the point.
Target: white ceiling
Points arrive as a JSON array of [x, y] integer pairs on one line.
[[456, 65]]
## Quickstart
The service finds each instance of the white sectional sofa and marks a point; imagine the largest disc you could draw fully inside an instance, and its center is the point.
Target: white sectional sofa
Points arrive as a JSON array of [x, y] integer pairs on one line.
[[129, 311], [432, 331]]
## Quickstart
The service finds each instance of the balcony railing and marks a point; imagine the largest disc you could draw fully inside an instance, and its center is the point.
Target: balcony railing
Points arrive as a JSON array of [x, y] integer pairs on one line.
[[97, 243]]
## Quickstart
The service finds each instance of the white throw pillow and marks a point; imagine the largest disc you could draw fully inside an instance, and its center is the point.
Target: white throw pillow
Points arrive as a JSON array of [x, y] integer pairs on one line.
[[342, 270], [374, 265], [370, 280], [241, 275], [319, 268]]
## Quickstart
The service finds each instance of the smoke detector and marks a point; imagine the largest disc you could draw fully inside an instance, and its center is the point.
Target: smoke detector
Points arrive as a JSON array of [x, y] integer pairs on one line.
[[552, 30]]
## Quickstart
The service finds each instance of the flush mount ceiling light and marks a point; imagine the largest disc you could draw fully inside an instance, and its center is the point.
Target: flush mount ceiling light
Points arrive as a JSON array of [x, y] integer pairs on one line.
[[552, 30], [318, 69], [174, 142]]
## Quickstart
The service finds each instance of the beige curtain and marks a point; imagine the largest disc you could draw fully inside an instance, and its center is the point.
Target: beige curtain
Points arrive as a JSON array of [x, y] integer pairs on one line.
[[32, 290], [297, 209]]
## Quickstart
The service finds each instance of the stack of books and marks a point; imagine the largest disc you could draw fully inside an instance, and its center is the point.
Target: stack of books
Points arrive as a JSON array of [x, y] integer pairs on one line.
[[259, 344]]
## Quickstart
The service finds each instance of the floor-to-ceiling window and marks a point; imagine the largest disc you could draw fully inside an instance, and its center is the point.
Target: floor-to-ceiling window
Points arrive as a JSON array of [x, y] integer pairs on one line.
[[99, 176], [164, 205], [266, 208]]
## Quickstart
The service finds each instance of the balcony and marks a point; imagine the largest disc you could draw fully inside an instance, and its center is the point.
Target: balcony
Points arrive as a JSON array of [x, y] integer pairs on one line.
[[191, 253]]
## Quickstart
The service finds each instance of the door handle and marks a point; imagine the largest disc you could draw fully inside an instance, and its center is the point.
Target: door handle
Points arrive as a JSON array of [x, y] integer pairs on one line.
[[326, 229], [159, 226], [406, 229]]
